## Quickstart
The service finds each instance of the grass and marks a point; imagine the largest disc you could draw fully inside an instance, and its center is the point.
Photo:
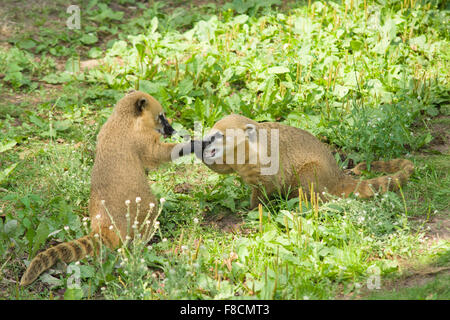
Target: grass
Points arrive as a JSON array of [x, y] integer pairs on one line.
[[370, 79]]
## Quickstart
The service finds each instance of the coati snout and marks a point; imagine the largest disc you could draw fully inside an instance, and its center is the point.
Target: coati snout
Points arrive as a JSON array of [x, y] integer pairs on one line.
[[167, 129], [214, 147]]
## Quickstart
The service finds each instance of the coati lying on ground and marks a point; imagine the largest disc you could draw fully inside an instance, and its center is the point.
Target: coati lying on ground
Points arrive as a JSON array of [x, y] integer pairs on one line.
[[273, 157]]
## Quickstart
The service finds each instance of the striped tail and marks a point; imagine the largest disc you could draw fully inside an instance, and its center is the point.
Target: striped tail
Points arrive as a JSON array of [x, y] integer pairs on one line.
[[401, 169], [390, 166], [68, 252]]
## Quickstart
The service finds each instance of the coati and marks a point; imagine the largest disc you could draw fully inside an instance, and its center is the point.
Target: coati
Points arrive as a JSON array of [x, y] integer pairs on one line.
[[300, 159], [127, 145]]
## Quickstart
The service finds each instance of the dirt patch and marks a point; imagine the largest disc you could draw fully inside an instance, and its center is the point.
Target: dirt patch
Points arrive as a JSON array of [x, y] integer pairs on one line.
[[19, 17], [436, 228], [439, 227], [184, 188], [30, 99], [227, 222], [440, 130], [418, 279]]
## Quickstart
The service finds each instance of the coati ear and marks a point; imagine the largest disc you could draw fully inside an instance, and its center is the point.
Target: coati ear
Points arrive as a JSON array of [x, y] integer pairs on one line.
[[140, 105], [250, 131], [130, 91]]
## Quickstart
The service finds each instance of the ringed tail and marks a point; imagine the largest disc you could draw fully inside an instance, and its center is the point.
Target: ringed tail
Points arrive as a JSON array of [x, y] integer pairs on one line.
[[400, 170], [68, 252]]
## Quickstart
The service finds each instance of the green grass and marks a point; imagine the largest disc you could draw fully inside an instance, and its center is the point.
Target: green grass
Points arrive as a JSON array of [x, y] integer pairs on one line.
[[437, 289], [370, 80], [421, 286]]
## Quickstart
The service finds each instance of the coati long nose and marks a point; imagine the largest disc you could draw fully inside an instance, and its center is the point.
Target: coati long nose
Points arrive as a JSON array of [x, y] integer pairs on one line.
[[167, 128]]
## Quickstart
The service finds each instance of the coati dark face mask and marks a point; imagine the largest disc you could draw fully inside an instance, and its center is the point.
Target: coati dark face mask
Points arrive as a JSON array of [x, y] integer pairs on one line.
[[166, 129]]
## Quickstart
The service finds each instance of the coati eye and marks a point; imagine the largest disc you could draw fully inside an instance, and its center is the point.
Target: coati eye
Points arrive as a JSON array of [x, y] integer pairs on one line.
[[217, 136]]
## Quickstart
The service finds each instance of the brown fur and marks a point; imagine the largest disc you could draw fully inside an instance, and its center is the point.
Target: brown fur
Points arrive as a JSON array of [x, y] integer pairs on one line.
[[303, 160], [127, 144]]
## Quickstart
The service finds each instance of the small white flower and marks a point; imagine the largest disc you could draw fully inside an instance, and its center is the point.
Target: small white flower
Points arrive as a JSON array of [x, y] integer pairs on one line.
[[142, 260], [156, 224], [195, 220], [152, 205], [102, 202], [184, 248], [127, 202], [98, 216], [85, 219], [138, 199], [150, 247], [128, 238], [66, 228], [85, 223], [96, 235], [103, 288], [119, 250], [147, 222], [164, 240], [305, 298], [110, 227], [162, 200]]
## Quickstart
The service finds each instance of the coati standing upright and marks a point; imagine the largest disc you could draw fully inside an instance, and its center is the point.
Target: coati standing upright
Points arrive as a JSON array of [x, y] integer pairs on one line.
[[127, 144], [301, 157]]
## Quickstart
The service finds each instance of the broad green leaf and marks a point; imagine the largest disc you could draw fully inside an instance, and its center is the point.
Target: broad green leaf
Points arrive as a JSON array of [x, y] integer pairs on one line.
[[356, 45], [50, 280], [10, 226], [42, 232], [95, 53], [340, 91], [6, 172], [62, 125], [240, 19], [26, 44], [418, 42], [185, 86], [73, 294], [89, 38], [277, 70], [7, 145]]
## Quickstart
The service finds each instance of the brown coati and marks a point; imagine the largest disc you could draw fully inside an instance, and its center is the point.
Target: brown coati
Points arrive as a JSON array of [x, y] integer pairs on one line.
[[273, 157], [127, 145]]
